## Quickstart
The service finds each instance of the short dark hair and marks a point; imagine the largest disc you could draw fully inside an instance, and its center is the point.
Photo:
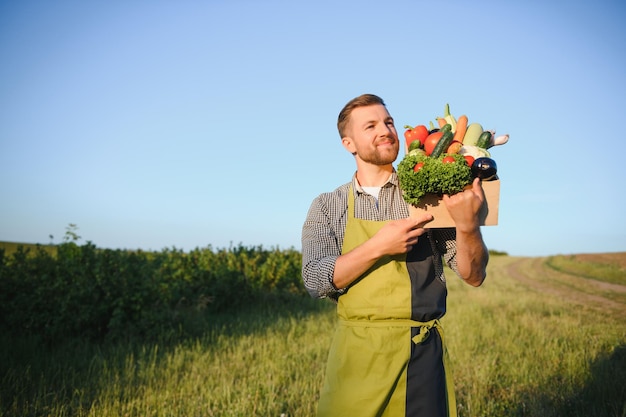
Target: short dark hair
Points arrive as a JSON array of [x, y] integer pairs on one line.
[[360, 101]]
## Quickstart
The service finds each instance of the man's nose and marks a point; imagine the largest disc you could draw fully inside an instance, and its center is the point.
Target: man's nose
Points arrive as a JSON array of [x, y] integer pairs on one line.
[[385, 129]]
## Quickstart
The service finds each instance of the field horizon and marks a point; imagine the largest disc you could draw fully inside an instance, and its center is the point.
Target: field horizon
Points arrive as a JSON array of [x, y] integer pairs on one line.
[[11, 246]]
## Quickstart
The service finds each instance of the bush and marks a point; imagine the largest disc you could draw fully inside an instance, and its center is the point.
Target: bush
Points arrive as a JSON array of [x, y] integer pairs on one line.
[[102, 293]]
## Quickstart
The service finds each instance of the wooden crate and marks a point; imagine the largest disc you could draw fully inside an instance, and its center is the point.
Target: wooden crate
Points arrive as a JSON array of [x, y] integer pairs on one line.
[[434, 205]]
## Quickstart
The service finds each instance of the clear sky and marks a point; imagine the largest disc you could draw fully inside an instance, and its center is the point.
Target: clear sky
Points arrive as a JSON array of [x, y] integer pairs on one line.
[[159, 124]]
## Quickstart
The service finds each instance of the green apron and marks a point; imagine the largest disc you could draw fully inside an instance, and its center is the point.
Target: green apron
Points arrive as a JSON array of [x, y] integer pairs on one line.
[[385, 358]]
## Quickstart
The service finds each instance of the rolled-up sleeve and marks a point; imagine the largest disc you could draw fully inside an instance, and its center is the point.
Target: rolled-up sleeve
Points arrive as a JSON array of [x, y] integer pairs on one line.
[[320, 250], [445, 240]]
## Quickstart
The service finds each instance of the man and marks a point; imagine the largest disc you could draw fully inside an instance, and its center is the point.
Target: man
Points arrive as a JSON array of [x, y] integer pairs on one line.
[[385, 271]]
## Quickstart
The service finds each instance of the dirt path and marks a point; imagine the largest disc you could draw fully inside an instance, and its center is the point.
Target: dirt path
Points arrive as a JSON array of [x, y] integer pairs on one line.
[[533, 273]]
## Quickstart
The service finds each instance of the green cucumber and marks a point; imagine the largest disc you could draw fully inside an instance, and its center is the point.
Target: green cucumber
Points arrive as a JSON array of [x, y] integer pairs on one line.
[[446, 128], [416, 144], [443, 144], [484, 140]]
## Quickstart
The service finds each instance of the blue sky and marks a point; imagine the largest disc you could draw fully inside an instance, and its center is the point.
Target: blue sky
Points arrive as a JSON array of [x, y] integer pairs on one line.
[[188, 124]]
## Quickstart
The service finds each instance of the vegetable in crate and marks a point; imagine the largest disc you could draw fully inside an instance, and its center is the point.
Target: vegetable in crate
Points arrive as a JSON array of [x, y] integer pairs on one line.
[[451, 157], [434, 177], [415, 134], [484, 168]]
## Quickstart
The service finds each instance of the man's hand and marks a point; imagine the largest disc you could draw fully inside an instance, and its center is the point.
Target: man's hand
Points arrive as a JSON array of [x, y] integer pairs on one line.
[[399, 236], [467, 207], [394, 238]]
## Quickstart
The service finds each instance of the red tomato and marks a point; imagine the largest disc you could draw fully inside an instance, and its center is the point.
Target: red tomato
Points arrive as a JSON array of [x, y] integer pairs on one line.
[[448, 160], [418, 166], [469, 159], [454, 147], [431, 142]]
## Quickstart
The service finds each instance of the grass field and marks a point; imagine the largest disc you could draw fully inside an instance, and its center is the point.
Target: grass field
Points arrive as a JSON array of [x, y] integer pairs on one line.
[[10, 248], [542, 337]]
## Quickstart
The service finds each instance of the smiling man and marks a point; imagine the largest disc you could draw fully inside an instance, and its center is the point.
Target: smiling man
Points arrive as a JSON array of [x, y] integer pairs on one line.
[[385, 271]]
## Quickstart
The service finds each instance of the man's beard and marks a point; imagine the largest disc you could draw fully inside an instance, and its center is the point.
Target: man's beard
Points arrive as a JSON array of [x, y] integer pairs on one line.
[[377, 157]]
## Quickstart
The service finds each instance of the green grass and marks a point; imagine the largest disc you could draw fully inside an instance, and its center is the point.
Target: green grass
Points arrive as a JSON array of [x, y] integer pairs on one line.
[[518, 351], [515, 350], [612, 270], [264, 361]]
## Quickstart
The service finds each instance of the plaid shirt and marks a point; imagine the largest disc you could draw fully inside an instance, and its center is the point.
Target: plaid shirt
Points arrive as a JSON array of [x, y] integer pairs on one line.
[[325, 225]]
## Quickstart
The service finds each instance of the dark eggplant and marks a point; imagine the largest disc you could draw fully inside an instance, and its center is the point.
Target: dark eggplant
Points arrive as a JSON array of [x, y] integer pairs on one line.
[[484, 168]]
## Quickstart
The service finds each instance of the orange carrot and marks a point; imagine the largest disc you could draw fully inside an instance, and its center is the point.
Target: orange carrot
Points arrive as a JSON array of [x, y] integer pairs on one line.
[[461, 128], [442, 122]]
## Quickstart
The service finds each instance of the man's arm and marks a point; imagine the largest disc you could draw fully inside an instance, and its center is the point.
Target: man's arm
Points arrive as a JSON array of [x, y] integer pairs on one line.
[[320, 250], [472, 254], [472, 257]]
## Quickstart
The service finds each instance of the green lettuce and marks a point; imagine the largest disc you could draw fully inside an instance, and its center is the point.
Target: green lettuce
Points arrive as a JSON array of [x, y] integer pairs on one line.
[[435, 177]]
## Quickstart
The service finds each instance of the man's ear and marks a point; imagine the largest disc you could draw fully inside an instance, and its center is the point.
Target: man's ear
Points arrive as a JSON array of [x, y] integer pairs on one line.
[[348, 143]]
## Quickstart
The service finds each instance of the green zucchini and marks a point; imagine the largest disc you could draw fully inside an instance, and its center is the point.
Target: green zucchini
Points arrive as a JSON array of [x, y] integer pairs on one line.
[[443, 144], [472, 134], [484, 140]]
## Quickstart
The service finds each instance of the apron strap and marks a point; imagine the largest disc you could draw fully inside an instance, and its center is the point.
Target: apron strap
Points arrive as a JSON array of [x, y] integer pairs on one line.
[[351, 201], [447, 367]]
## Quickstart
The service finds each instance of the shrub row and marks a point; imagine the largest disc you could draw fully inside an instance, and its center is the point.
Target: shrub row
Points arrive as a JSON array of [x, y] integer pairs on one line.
[[102, 293]]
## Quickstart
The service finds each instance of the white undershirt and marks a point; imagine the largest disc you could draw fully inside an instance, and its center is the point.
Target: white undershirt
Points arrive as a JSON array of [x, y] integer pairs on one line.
[[373, 191]]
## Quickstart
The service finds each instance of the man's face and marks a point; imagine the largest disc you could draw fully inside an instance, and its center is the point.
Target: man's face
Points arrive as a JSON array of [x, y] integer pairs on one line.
[[372, 135]]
